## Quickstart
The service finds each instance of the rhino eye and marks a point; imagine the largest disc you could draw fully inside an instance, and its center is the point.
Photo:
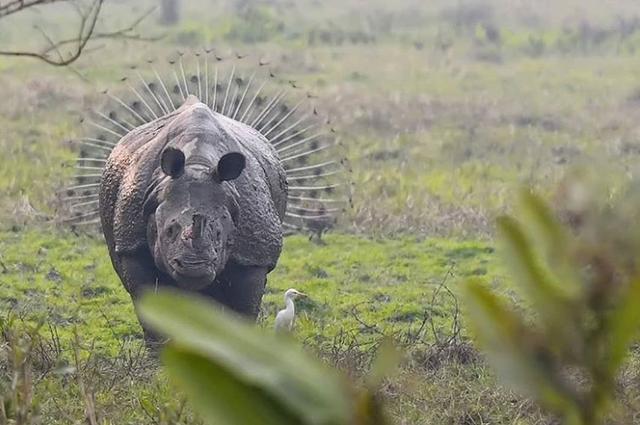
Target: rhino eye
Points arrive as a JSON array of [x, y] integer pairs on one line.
[[173, 230]]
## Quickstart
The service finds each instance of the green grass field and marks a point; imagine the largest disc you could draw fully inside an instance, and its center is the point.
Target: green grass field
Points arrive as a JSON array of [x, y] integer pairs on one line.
[[442, 123]]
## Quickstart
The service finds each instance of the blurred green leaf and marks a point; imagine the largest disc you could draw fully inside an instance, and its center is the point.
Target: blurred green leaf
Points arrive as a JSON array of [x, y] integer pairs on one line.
[[277, 366], [387, 359], [553, 241], [623, 326], [552, 305], [147, 405], [369, 409], [218, 396], [513, 350]]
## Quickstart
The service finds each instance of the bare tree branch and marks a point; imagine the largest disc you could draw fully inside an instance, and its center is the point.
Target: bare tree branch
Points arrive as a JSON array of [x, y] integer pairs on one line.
[[51, 42], [86, 31], [127, 33], [14, 6]]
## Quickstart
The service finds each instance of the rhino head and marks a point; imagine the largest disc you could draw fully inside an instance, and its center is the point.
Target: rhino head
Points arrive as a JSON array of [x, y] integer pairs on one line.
[[191, 231]]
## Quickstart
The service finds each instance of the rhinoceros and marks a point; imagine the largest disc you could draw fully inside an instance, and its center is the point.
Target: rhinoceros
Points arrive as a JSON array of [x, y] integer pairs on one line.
[[196, 183]]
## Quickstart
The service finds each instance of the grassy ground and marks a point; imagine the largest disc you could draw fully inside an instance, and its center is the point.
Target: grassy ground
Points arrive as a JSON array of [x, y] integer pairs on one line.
[[360, 289], [357, 285], [441, 122]]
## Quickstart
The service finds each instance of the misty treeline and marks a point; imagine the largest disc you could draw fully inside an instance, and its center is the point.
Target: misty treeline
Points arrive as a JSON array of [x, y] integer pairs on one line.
[[491, 30], [170, 12]]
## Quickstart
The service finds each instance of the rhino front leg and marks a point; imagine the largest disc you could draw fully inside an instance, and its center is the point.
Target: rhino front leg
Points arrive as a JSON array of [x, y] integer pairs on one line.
[[138, 274], [243, 289]]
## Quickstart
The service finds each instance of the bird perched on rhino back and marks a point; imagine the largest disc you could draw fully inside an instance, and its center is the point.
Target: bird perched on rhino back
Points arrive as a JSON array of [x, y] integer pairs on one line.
[[196, 178]]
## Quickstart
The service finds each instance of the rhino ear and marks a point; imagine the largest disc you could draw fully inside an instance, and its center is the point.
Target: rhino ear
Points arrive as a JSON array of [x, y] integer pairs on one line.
[[230, 166], [172, 162]]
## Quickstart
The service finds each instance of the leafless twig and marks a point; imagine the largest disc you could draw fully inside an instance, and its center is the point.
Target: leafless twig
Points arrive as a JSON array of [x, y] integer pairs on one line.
[[52, 54], [3, 266], [15, 6], [427, 317]]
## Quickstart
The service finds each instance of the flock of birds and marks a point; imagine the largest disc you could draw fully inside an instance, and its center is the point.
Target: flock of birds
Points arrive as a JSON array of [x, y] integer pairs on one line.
[[285, 318]]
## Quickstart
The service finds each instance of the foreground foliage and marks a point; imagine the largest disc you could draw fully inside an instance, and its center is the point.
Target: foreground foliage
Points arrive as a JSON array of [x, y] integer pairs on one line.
[[583, 290], [234, 373]]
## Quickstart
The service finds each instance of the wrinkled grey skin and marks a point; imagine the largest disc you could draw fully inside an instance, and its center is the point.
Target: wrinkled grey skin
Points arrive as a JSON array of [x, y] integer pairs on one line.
[[194, 200]]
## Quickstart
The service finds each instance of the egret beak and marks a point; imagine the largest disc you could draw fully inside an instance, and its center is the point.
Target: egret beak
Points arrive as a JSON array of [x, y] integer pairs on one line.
[[302, 295]]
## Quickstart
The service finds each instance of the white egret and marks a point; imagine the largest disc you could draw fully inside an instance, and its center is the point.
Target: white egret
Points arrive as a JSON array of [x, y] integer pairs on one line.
[[285, 318]]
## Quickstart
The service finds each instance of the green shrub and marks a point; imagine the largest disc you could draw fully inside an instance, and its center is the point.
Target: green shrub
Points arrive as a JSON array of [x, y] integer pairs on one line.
[[581, 282]]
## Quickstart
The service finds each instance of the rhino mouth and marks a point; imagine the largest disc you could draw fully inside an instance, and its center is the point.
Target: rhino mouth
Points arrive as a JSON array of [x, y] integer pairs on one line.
[[194, 275], [192, 268]]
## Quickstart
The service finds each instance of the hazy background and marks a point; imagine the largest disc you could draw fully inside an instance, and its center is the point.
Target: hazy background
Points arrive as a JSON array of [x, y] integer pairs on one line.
[[443, 105]]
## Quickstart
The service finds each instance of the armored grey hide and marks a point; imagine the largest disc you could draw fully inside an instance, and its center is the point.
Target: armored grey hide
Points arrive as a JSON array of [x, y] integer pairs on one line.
[[203, 136], [136, 185]]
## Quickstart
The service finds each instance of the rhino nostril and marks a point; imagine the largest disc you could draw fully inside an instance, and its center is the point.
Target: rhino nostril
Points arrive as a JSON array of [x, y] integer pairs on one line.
[[198, 225]]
